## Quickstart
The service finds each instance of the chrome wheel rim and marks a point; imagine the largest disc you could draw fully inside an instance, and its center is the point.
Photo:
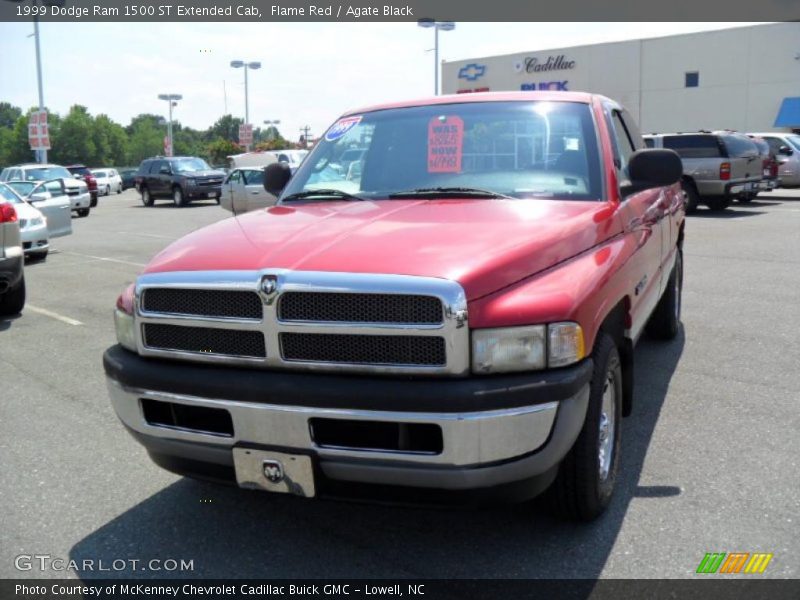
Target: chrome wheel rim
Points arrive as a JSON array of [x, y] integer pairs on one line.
[[605, 443]]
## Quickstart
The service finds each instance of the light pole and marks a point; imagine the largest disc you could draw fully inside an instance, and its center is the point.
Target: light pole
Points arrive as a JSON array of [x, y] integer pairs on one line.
[[272, 122], [437, 26], [172, 100], [238, 64]]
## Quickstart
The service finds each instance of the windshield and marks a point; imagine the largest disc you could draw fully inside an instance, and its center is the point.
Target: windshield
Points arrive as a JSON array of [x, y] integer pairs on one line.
[[517, 149], [23, 188], [43, 173], [8, 195], [188, 165]]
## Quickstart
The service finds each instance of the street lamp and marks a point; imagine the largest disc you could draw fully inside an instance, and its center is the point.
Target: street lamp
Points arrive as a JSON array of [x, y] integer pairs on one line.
[[172, 100], [437, 26], [272, 122], [238, 64]]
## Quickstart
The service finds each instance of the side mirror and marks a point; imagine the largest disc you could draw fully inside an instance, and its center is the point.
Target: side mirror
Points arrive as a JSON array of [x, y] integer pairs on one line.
[[39, 197], [785, 151], [276, 176], [652, 168]]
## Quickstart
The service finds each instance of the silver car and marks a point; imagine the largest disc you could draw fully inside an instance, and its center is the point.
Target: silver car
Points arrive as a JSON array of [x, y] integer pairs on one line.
[[77, 190], [717, 166], [786, 147], [43, 210], [243, 191], [12, 278]]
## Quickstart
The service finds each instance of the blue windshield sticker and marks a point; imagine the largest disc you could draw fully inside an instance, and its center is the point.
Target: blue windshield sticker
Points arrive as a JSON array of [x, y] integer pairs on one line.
[[341, 127]]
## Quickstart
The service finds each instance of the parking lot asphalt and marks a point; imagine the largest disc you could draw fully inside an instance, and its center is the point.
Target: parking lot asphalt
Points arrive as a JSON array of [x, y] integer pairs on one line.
[[710, 455]]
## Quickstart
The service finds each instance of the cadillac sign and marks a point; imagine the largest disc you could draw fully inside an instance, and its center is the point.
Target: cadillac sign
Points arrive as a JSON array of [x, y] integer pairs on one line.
[[531, 64]]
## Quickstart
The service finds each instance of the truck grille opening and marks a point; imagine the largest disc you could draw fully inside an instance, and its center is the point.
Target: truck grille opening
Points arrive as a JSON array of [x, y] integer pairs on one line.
[[364, 349], [214, 421], [205, 340], [360, 308], [232, 304], [414, 438]]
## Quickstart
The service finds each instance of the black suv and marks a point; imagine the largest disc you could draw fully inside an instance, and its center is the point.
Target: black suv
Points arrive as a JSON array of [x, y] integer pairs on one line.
[[181, 178]]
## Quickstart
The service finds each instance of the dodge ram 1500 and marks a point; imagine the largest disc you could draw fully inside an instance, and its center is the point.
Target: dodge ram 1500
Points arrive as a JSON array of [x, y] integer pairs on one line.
[[458, 313]]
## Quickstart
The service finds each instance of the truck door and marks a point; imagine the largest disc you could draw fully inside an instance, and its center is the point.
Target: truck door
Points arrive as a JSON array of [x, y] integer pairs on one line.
[[644, 219], [52, 200]]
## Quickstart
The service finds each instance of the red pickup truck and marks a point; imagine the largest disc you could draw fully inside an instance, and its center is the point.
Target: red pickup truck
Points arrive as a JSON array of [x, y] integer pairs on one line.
[[458, 313]]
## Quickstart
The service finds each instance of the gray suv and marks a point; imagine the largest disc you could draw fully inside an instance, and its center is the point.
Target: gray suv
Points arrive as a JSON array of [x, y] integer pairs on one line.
[[718, 167], [179, 178]]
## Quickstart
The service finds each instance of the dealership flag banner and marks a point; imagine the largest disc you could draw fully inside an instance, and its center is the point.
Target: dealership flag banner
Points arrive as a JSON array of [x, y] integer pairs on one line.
[[38, 132]]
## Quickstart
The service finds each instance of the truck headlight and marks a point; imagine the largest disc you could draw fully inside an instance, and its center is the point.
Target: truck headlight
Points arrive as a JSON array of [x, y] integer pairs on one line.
[[565, 344], [528, 348], [124, 321], [508, 349]]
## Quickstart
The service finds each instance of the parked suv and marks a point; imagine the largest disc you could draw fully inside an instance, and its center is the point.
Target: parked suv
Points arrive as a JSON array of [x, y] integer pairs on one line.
[[181, 178], [717, 166], [12, 279], [786, 147], [460, 316], [83, 173]]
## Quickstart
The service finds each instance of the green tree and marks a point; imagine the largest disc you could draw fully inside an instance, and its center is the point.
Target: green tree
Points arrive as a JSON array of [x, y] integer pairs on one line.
[[226, 127], [218, 150], [75, 142], [9, 115], [145, 138], [111, 142]]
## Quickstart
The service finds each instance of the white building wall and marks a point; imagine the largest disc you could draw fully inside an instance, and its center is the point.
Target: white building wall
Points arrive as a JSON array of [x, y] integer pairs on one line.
[[745, 73]]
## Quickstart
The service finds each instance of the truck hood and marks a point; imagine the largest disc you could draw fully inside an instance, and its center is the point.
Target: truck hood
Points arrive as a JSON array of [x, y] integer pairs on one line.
[[485, 245]]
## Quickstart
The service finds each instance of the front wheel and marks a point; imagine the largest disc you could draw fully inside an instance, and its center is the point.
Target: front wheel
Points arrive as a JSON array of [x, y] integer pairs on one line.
[[83, 212], [108, 191], [178, 198], [119, 189], [585, 482], [147, 197]]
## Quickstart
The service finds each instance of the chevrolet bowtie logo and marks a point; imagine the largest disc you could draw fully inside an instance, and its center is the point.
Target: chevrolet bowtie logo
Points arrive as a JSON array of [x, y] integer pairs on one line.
[[471, 72]]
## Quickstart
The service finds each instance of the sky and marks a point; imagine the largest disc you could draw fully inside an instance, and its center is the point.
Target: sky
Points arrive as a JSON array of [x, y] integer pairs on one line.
[[311, 72]]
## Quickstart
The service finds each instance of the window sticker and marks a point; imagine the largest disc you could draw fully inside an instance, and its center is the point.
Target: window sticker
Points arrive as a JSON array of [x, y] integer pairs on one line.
[[341, 127], [445, 144]]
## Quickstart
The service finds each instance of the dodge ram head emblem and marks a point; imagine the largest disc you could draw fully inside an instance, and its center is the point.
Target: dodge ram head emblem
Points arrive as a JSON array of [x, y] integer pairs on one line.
[[269, 288], [273, 471]]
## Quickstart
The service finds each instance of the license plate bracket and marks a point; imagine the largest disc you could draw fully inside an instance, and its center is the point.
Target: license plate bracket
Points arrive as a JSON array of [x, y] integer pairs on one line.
[[274, 471]]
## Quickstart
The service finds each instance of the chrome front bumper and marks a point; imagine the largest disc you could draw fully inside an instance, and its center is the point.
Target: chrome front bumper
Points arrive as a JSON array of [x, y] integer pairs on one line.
[[480, 449]]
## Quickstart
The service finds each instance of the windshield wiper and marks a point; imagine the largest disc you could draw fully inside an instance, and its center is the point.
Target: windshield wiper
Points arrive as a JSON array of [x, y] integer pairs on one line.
[[439, 192], [329, 194]]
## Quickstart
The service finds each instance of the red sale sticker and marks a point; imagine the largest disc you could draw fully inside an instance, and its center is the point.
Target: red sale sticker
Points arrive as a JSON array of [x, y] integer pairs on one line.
[[445, 144]]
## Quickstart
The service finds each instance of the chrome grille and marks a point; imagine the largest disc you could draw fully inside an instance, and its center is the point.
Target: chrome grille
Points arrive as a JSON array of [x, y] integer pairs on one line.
[[305, 320], [205, 340], [363, 349], [360, 308], [203, 303]]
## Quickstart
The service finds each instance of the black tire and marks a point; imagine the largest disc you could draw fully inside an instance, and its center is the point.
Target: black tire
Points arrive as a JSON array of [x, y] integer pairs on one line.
[[13, 300], [718, 203], [119, 189], [584, 485], [83, 212], [217, 199], [746, 198], [692, 198], [147, 197], [178, 199], [666, 318], [38, 256], [108, 190]]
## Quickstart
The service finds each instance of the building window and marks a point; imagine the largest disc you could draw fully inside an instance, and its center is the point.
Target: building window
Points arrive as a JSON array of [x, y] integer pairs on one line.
[[692, 79]]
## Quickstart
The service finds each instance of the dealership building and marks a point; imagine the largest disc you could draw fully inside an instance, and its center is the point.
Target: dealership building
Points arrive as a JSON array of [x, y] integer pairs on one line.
[[744, 78]]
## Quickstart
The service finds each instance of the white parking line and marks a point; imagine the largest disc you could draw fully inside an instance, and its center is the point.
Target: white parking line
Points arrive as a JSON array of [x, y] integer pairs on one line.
[[103, 258], [52, 315], [150, 235]]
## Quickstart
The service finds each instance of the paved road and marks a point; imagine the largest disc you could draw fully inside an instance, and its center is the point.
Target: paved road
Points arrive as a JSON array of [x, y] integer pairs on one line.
[[710, 454]]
